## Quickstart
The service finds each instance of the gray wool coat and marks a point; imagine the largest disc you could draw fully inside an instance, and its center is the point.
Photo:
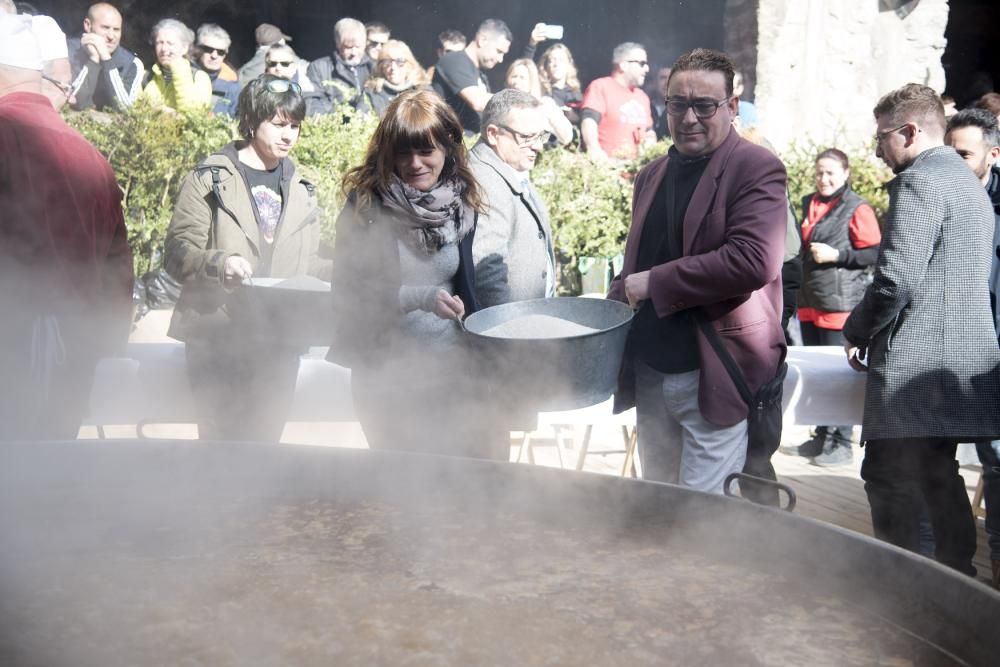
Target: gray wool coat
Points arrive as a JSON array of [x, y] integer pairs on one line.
[[512, 250], [933, 357]]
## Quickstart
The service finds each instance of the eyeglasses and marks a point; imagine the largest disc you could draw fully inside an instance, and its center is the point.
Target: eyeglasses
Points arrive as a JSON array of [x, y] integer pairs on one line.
[[640, 63], [61, 85], [702, 108], [279, 63], [211, 49], [375, 44], [279, 86], [398, 62], [882, 136], [525, 140]]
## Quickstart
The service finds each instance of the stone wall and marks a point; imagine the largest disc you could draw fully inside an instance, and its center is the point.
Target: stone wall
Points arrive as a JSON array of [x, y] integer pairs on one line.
[[823, 64]]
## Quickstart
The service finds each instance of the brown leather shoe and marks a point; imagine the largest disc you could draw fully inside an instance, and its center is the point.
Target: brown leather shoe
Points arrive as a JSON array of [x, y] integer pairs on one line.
[[996, 574]]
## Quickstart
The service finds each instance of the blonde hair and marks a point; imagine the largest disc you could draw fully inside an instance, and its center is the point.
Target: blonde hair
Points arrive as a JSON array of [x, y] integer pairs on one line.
[[534, 85], [572, 78], [418, 75], [416, 120]]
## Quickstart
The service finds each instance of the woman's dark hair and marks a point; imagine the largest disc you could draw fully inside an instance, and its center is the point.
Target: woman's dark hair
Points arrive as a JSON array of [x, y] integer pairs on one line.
[[415, 121], [259, 102], [835, 154]]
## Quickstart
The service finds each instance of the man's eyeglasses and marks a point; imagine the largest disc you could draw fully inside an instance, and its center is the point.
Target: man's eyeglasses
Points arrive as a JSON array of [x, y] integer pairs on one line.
[[526, 140], [212, 49], [373, 44], [398, 62], [882, 136], [279, 86], [279, 63], [66, 89], [640, 63], [702, 108]]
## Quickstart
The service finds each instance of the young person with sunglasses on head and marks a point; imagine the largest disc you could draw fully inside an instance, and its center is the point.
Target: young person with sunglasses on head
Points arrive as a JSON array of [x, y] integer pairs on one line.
[[282, 61], [211, 48], [243, 213], [396, 72], [174, 82]]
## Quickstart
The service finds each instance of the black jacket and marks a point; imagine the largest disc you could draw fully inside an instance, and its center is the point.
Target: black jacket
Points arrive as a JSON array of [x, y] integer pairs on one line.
[[110, 84], [337, 83]]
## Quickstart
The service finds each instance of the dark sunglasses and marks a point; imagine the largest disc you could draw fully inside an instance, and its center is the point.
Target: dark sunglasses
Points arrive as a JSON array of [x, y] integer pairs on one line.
[[702, 108], [210, 49], [280, 86], [279, 63]]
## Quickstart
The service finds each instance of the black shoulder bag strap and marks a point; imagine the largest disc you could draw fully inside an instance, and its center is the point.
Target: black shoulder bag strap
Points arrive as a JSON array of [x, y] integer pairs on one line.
[[727, 359]]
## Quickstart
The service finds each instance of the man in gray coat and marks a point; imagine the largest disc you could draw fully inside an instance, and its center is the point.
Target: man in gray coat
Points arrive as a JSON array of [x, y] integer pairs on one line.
[[925, 327], [513, 245]]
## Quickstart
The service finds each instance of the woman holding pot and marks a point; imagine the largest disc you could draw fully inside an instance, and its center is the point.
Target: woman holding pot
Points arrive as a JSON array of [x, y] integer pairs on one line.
[[403, 279], [840, 239], [243, 213]]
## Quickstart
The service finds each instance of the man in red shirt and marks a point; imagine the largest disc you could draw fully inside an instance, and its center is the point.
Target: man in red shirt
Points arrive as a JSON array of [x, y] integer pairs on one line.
[[65, 264], [616, 116]]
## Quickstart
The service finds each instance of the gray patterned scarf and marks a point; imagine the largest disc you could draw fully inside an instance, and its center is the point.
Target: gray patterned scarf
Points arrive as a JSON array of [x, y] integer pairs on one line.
[[429, 220]]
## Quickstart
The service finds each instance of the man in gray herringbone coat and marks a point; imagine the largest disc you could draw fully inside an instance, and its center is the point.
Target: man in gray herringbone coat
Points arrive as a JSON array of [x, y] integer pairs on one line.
[[926, 328]]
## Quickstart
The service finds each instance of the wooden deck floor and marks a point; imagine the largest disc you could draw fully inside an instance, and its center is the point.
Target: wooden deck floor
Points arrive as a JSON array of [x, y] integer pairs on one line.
[[835, 495]]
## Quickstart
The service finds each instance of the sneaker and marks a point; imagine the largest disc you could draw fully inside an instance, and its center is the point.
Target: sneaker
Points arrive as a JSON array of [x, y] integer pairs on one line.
[[834, 454], [814, 445]]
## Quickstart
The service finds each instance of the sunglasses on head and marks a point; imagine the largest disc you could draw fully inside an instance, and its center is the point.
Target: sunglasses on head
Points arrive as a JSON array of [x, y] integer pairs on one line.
[[279, 63], [212, 49], [280, 86]]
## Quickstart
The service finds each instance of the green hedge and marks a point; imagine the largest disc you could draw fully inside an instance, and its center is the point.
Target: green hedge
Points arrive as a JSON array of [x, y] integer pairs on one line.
[[589, 203]]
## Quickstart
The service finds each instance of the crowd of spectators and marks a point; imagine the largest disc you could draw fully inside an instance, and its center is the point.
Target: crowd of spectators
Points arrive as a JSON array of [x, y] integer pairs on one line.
[[858, 289]]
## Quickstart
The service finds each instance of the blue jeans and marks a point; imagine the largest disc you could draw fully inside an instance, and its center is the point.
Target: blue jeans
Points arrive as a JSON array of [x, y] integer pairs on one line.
[[989, 456]]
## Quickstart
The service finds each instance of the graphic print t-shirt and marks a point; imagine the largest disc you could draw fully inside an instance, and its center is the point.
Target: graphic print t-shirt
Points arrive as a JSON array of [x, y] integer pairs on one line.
[[265, 190]]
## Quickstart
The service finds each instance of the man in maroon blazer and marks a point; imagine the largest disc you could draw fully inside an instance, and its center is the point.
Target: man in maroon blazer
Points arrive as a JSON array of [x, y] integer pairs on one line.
[[707, 236]]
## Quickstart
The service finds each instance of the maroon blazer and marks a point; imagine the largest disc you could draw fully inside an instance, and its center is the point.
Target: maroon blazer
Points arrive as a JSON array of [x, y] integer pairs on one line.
[[734, 243]]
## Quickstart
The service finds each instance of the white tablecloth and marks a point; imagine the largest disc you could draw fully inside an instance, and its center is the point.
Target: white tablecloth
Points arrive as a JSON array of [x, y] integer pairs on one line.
[[151, 385]]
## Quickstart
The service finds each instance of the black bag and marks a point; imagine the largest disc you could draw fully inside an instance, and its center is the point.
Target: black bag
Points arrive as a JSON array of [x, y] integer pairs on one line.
[[763, 421]]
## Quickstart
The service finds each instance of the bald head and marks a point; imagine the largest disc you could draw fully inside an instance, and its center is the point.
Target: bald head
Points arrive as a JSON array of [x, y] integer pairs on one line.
[[19, 80], [105, 21]]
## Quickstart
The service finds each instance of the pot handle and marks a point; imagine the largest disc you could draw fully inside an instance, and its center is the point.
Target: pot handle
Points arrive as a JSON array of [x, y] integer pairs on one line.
[[778, 486]]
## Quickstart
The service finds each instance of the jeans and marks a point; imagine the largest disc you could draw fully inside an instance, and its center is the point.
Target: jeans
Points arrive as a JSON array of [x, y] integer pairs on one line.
[[898, 475], [812, 336], [989, 456], [675, 442]]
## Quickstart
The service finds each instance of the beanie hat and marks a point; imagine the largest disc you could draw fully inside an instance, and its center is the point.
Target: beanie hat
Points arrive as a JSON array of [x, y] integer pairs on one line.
[[18, 45], [268, 34]]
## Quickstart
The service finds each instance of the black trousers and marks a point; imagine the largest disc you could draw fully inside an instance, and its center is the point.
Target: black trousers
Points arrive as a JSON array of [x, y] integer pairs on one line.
[[243, 390], [899, 474]]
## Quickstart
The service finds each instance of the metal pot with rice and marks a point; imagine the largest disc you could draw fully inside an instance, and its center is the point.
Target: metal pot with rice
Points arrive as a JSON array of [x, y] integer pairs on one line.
[[553, 354]]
